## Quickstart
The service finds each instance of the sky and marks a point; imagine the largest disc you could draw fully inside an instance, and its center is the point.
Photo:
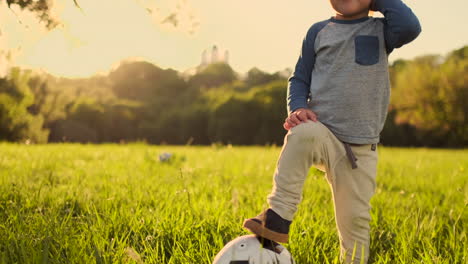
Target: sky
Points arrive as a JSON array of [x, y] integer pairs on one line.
[[266, 34]]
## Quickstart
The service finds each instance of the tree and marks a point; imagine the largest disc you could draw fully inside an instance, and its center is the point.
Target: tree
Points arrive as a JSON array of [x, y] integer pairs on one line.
[[454, 90], [430, 93], [257, 77], [213, 75], [259, 114], [49, 102], [41, 8], [143, 81], [16, 123]]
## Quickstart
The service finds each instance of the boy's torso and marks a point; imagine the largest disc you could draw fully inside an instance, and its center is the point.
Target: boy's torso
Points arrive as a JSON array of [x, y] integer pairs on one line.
[[350, 87]]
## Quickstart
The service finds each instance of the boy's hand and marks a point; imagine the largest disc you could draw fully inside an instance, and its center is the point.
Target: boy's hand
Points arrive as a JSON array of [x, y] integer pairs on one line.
[[298, 116]]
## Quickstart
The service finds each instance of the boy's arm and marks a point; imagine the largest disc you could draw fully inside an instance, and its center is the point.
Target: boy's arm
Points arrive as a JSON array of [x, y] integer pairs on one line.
[[299, 82], [401, 24]]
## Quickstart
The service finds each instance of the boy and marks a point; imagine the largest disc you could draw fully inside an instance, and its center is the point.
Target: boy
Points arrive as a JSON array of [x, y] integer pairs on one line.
[[343, 71]]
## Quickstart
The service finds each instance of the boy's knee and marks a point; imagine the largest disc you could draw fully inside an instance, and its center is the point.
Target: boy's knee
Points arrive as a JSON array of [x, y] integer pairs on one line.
[[308, 130]]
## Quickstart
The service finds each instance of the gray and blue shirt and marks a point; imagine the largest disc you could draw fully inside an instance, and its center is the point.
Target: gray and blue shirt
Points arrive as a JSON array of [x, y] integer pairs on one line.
[[342, 71]]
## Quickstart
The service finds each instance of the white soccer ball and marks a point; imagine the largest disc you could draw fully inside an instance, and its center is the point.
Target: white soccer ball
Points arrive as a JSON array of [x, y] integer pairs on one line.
[[248, 250], [164, 157]]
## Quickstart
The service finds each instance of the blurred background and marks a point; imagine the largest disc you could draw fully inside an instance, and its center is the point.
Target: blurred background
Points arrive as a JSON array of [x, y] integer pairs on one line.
[[203, 72]]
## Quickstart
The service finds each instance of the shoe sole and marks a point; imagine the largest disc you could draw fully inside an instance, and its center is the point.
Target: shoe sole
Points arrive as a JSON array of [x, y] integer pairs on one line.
[[258, 229]]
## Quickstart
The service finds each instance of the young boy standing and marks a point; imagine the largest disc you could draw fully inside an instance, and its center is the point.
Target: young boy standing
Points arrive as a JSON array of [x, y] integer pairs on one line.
[[341, 78]]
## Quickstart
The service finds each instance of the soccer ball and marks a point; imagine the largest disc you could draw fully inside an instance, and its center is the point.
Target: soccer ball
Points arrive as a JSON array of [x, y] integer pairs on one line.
[[164, 157], [248, 249]]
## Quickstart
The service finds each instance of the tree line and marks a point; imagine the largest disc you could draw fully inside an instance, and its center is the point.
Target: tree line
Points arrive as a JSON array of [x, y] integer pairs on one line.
[[139, 101]]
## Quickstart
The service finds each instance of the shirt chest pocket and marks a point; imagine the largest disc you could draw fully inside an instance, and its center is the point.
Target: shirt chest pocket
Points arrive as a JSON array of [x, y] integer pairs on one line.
[[366, 49]]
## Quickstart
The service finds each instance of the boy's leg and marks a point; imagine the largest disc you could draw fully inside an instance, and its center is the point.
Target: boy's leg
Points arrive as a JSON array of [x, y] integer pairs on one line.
[[304, 145], [352, 190]]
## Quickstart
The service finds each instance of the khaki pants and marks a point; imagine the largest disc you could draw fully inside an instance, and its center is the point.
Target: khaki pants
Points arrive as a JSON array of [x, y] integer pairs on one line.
[[313, 144]]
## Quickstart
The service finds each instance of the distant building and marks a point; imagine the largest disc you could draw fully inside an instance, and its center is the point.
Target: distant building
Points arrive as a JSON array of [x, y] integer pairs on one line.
[[214, 56], [209, 56]]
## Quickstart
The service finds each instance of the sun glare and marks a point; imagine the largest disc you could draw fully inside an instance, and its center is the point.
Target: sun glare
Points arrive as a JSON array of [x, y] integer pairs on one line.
[[99, 35]]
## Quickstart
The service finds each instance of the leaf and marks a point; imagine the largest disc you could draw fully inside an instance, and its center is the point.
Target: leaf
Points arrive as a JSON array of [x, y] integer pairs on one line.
[[74, 1]]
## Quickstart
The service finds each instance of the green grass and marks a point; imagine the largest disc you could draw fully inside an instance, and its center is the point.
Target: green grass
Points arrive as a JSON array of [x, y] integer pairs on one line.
[[69, 203]]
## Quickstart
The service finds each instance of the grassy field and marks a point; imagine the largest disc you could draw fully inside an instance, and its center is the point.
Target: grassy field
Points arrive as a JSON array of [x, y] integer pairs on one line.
[[69, 203]]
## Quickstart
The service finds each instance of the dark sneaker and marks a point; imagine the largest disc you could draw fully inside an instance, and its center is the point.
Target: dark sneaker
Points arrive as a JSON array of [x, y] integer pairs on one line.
[[270, 226]]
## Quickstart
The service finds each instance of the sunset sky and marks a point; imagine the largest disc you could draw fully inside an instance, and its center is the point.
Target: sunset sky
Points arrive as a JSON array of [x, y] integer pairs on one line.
[[262, 33]]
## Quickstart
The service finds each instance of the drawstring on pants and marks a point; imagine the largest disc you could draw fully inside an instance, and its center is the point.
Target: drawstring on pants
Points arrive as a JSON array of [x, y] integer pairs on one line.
[[350, 155]]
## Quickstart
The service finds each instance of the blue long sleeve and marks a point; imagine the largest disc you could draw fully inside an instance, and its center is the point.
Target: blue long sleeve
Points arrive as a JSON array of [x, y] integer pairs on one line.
[[401, 24], [299, 82]]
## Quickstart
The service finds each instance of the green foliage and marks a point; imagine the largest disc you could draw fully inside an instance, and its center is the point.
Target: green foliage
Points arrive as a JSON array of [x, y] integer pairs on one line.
[[73, 131], [257, 112], [257, 77], [71, 203], [454, 91], [430, 93], [140, 101], [213, 75], [41, 8], [16, 123], [143, 81], [90, 121]]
